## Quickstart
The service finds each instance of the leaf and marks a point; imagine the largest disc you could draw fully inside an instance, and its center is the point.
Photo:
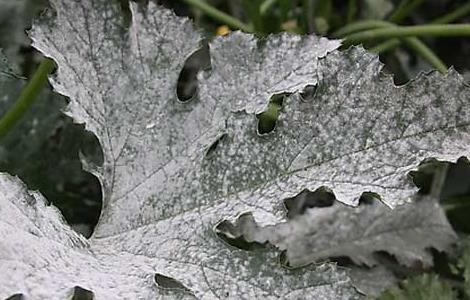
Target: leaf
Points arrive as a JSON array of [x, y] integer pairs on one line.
[[37, 247], [406, 233], [172, 171], [372, 282], [424, 287]]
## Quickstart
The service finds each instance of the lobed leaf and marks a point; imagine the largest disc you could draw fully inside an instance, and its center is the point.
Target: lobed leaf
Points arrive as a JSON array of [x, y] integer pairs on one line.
[[173, 170]]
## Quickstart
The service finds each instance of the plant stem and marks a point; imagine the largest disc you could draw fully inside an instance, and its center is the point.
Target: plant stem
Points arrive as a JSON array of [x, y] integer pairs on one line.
[[386, 46], [266, 5], [405, 31], [27, 96], [448, 18], [419, 47], [426, 53], [352, 10], [405, 8], [360, 26], [453, 15], [219, 15]]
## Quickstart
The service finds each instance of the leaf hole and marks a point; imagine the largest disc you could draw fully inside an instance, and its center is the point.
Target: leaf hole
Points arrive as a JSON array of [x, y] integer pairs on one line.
[[297, 205], [211, 150], [267, 120], [284, 261], [80, 293], [187, 85], [232, 234], [455, 191], [168, 283], [368, 198], [308, 93], [342, 261], [15, 297], [126, 14], [456, 182]]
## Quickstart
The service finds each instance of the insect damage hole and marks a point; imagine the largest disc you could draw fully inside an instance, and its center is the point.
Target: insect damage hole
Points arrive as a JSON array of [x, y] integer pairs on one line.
[[267, 120], [80, 293], [233, 233], [297, 205], [211, 150], [187, 85], [15, 297], [308, 93], [169, 284]]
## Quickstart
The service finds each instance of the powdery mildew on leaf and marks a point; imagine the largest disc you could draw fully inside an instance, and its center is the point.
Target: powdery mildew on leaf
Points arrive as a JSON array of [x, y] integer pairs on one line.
[[43, 258], [125, 92], [406, 233], [259, 69], [163, 195]]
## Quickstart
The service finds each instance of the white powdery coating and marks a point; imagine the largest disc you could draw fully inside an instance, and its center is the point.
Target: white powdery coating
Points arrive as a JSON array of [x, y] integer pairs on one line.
[[158, 214], [163, 195], [406, 233], [283, 63]]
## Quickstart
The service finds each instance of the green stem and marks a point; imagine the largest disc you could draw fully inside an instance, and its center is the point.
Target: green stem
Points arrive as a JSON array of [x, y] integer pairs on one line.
[[405, 31], [219, 15], [27, 96], [405, 8], [448, 18], [266, 5], [415, 44], [419, 47], [386, 46], [453, 15], [352, 10], [360, 26], [426, 53]]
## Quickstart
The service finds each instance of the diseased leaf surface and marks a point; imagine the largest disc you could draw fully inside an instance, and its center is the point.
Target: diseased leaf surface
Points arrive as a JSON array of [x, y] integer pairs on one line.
[[140, 121], [163, 193], [406, 233]]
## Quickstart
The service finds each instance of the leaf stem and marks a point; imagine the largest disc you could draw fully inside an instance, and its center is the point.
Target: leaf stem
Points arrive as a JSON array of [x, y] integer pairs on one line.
[[219, 15], [418, 46], [360, 26], [405, 8], [352, 10], [406, 31], [453, 15], [448, 18], [27, 96], [386, 46], [415, 44], [426, 53], [266, 5]]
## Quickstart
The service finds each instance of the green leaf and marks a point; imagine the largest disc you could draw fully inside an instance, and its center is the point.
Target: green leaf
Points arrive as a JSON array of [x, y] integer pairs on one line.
[[424, 287]]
